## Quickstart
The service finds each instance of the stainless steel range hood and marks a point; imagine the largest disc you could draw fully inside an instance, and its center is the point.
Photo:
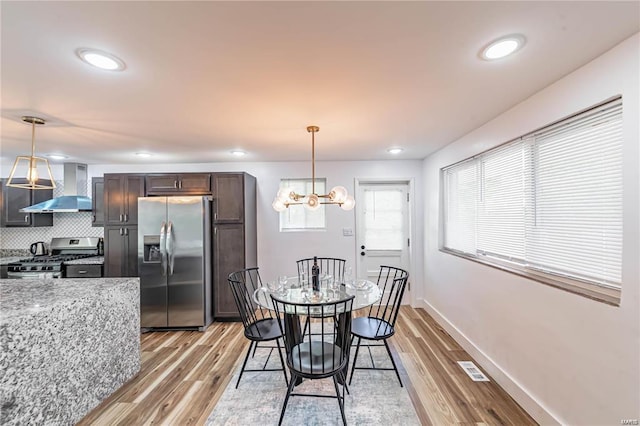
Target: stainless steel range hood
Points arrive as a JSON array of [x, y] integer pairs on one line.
[[75, 193]]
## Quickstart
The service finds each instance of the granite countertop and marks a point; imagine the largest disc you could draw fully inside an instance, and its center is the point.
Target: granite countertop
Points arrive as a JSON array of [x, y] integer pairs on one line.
[[20, 297], [9, 259], [95, 260]]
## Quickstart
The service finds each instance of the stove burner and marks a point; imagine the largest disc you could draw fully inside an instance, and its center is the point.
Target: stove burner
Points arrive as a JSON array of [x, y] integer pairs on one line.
[[62, 250], [52, 263]]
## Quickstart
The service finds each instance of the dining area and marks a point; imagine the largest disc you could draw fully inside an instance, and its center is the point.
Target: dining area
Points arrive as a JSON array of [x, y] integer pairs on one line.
[[318, 326]]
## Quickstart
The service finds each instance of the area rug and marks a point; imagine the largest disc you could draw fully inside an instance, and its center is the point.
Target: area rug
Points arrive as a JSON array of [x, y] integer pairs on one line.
[[376, 397]]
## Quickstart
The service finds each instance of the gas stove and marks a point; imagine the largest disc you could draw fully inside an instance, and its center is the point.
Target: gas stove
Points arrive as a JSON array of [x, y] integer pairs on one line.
[[52, 266]]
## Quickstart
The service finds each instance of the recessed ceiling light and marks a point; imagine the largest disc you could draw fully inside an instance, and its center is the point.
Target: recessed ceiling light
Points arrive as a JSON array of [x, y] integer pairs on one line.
[[143, 154], [57, 156], [100, 59], [238, 153], [395, 150], [504, 46]]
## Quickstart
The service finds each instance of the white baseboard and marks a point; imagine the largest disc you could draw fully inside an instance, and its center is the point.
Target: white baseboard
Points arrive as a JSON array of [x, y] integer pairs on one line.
[[511, 386]]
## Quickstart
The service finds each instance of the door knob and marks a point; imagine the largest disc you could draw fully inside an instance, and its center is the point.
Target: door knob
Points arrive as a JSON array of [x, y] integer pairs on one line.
[[361, 253], [362, 247]]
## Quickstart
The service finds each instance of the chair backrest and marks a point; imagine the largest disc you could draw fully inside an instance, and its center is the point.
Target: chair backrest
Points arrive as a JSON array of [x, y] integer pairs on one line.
[[320, 350], [392, 282], [243, 284], [328, 265]]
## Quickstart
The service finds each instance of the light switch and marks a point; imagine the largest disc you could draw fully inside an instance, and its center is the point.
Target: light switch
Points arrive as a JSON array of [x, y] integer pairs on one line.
[[347, 232]]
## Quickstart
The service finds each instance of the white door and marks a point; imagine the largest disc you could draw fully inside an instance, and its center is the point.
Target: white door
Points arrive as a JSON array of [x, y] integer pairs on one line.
[[382, 213]]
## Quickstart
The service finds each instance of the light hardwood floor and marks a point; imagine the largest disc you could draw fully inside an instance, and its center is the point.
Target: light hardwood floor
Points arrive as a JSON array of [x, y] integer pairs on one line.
[[184, 373]]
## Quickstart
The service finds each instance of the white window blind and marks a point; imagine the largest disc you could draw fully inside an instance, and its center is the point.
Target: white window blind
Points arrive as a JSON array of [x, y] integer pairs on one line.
[[461, 188], [548, 202]]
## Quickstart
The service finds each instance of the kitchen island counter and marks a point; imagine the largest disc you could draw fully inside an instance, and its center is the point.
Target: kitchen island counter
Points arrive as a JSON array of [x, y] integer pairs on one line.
[[65, 345]]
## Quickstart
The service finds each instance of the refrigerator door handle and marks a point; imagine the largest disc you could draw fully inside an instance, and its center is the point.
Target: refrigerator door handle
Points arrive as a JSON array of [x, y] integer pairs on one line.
[[163, 248], [170, 251]]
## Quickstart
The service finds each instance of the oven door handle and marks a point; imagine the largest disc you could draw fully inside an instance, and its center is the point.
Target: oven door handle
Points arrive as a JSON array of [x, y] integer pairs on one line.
[[163, 248], [170, 247], [34, 274]]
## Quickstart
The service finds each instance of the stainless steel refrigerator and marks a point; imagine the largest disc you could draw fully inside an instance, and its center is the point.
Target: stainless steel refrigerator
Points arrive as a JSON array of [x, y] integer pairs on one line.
[[174, 262]]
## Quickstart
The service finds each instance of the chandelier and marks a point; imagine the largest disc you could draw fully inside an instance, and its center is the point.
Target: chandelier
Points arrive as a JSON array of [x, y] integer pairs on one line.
[[338, 195], [31, 172]]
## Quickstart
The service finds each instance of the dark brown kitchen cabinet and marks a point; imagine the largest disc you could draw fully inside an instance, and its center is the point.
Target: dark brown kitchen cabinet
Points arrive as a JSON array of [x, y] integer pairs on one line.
[[228, 192], [121, 251], [229, 239], [121, 192], [184, 183], [234, 239], [14, 199], [83, 271], [120, 206], [97, 201]]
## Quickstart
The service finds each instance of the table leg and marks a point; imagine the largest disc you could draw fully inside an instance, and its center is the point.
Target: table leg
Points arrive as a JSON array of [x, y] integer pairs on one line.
[[292, 329], [344, 329]]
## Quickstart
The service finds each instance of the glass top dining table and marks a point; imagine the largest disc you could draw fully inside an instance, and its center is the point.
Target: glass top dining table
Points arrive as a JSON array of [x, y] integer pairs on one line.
[[366, 293]]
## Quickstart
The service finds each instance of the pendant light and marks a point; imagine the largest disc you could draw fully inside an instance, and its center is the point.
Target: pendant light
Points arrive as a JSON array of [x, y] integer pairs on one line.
[[31, 172], [338, 195]]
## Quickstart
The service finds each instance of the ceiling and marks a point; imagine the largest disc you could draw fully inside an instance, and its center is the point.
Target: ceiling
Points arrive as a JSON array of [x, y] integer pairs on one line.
[[204, 78]]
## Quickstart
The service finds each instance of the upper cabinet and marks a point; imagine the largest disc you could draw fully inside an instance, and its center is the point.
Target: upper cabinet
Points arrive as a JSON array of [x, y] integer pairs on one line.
[[14, 199], [97, 201], [184, 183], [229, 196], [121, 192]]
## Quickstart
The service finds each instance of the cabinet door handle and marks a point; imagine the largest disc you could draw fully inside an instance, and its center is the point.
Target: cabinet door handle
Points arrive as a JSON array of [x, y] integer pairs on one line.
[[126, 217], [26, 218], [121, 220], [215, 216], [126, 231], [82, 272], [121, 232], [94, 218], [175, 184], [180, 184]]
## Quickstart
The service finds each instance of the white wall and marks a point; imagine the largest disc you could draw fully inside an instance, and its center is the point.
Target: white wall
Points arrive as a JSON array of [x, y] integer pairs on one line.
[[278, 251], [564, 357]]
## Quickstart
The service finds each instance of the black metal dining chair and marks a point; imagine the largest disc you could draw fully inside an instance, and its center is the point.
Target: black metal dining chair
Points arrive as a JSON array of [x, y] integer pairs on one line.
[[260, 325], [323, 354], [379, 324], [328, 265]]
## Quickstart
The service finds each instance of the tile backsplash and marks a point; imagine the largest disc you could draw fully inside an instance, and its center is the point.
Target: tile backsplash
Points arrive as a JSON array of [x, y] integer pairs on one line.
[[64, 225]]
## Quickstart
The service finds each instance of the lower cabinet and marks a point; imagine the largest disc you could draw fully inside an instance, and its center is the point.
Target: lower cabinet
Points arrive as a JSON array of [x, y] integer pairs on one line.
[[228, 242], [121, 251], [83, 271]]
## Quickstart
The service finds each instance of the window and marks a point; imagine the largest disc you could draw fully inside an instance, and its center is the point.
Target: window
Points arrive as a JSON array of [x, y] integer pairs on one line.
[[384, 218], [299, 218], [547, 205]]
